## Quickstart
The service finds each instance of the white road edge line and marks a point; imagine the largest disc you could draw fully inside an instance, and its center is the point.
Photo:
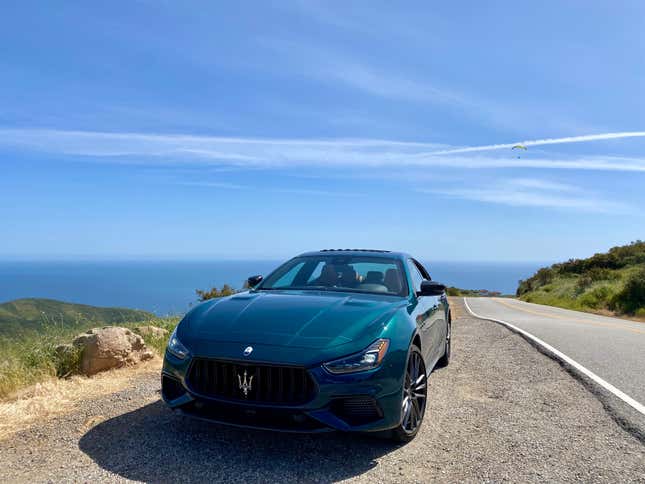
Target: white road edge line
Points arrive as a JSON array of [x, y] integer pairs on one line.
[[562, 357]]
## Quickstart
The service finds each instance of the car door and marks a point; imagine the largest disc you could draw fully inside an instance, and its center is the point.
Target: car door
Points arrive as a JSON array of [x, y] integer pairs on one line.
[[435, 325], [423, 313]]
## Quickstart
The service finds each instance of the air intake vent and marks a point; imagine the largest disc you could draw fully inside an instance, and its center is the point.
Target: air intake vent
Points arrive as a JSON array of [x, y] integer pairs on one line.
[[171, 388], [357, 410]]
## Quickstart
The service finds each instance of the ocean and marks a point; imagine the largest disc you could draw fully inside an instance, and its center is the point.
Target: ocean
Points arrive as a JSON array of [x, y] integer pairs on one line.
[[168, 287]]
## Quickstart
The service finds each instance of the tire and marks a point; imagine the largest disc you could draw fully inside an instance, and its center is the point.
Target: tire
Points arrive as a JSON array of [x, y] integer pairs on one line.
[[445, 359], [415, 395]]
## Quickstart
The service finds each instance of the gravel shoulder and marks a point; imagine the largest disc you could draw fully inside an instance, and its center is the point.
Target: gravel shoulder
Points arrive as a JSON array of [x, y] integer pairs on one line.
[[501, 411]]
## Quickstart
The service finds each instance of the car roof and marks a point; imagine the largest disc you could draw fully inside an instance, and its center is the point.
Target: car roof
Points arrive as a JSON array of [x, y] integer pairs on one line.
[[370, 252]]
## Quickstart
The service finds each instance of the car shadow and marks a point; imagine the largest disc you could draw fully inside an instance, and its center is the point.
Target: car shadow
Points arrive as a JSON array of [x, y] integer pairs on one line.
[[152, 444]]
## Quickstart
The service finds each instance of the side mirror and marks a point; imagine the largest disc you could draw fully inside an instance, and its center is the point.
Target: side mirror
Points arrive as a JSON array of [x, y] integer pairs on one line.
[[254, 281], [431, 288]]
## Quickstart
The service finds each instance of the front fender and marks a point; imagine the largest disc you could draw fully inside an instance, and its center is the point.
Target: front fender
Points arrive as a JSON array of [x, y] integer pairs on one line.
[[401, 331]]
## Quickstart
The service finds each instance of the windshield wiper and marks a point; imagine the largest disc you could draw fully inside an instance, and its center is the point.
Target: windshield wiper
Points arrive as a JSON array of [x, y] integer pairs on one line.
[[362, 291], [309, 288]]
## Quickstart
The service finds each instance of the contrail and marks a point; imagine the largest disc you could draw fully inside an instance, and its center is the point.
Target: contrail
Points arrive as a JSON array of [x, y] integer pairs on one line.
[[539, 142]]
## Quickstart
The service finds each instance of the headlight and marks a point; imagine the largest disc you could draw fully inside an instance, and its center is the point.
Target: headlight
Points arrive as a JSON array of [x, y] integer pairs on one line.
[[367, 359], [175, 347]]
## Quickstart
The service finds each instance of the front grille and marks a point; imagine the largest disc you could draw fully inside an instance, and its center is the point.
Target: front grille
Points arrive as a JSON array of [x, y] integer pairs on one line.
[[285, 385]]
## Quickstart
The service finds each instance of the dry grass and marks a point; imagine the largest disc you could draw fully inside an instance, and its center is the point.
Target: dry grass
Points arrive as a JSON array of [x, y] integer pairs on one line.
[[54, 397], [30, 389], [32, 358]]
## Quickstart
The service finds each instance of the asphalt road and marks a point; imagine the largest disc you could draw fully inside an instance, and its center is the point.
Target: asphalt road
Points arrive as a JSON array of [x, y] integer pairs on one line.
[[500, 412], [612, 348]]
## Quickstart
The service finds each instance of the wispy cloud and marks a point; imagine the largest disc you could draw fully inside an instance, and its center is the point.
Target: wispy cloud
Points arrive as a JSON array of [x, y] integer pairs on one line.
[[372, 81], [295, 191], [399, 82], [411, 26], [539, 184], [170, 149], [315, 192], [525, 192], [207, 184], [333, 67]]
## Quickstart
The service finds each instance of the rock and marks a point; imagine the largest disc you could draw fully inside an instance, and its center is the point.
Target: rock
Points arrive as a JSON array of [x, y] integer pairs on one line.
[[110, 347], [151, 331]]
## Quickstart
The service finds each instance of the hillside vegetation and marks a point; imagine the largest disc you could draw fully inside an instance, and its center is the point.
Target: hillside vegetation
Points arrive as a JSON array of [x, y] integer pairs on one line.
[[607, 282], [31, 329], [32, 315]]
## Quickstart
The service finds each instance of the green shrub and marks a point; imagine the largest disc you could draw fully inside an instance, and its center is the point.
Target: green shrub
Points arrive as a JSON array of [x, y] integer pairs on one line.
[[597, 274], [541, 278], [596, 298], [632, 297], [66, 359], [588, 278], [583, 282], [214, 292], [159, 343], [544, 276]]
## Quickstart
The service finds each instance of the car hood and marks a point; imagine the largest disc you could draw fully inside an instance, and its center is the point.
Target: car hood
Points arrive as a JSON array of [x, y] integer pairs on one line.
[[295, 319]]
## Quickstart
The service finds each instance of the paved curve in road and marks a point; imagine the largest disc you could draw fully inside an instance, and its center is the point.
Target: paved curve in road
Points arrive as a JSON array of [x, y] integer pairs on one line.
[[612, 348]]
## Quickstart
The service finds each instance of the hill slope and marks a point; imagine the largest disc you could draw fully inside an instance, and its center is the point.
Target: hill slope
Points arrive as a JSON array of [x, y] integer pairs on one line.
[[27, 315], [607, 282]]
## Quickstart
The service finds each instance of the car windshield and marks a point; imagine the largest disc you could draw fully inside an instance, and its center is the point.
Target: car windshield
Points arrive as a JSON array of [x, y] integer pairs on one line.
[[379, 275]]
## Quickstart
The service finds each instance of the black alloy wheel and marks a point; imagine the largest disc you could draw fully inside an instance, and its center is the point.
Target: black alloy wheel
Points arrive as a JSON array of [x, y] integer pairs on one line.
[[415, 393]]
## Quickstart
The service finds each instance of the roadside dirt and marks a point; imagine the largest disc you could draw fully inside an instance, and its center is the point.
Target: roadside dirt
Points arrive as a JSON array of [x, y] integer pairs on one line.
[[44, 401], [500, 411]]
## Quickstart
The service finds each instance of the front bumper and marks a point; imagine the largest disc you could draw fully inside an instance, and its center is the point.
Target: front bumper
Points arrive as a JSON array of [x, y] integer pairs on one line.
[[366, 402]]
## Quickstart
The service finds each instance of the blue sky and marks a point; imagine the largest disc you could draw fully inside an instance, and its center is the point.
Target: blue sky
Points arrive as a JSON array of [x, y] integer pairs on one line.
[[197, 129]]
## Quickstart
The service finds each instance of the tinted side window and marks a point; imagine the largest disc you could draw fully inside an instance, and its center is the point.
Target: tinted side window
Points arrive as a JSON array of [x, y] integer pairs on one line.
[[416, 276], [422, 270]]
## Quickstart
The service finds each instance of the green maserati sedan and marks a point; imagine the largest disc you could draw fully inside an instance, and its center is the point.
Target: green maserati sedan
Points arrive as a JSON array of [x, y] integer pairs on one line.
[[337, 339]]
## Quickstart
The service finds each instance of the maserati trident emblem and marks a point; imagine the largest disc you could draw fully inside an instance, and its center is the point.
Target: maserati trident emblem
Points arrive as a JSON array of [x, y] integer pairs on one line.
[[248, 350], [244, 384]]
